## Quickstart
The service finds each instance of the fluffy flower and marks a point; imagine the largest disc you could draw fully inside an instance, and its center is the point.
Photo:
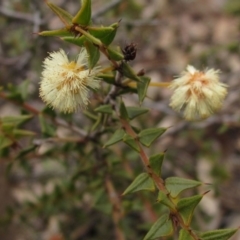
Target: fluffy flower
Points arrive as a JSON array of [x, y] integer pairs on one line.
[[65, 85], [198, 94]]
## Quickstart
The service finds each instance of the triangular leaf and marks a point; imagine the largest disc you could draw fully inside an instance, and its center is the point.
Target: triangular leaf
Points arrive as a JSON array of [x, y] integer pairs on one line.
[[163, 198], [141, 182], [123, 111], [107, 108], [131, 142], [115, 54], [83, 17], [161, 228], [56, 33], [148, 136], [176, 185], [135, 111], [221, 234], [186, 207], [185, 235], [79, 41], [65, 17], [156, 163], [108, 78], [22, 133], [142, 87], [116, 137], [93, 53], [129, 72], [16, 120], [105, 34]]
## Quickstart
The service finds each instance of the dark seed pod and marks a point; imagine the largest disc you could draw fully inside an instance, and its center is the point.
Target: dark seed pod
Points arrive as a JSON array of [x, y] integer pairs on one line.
[[130, 52]]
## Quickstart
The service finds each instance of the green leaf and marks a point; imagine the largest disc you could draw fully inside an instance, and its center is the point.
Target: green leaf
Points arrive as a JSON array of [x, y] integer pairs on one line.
[[107, 108], [79, 41], [116, 137], [184, 235], [141, 182], [16, 120], [105, 34], [22, 133], [56, 33], [156, 163], [134, 112], [47, 129], [23, 89], [221, 234], [65, 17], [142, 87], [108, 78], [131, 142], [148, 136], [176, 185], [127, 71], [5, 142], [162, 198], [115, 54], [123, 111], [161, 228], [83, 17], [186, 207], [93, 53]]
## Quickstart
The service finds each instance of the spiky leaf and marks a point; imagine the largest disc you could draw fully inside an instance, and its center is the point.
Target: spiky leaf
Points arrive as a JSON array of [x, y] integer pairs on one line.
[[131, 142], [116, 137], [129, 72], [141, 182], [186, 207], [56, 33], [64, 16], [156, 163], [134, 112], [79, 41], [93, 53], [221, 234], [16, 120], [105, 34], [106, 108], [176, 185], [83, 17], [148, 136], [163, 198], [142, 87], [161, 228]]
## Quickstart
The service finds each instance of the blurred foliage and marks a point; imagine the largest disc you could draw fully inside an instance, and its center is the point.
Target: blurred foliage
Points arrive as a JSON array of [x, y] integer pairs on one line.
[[64, 169]]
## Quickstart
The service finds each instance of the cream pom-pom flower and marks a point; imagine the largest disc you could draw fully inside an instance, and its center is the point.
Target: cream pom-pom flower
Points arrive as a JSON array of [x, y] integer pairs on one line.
[[65, 84], [197, 93]]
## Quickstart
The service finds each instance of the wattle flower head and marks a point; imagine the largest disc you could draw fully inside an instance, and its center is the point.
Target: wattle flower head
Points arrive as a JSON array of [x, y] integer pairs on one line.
[[198, 94], [65, 84]]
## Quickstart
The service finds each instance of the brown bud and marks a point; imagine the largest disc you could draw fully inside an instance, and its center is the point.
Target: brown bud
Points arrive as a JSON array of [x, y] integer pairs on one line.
[[130, 52]]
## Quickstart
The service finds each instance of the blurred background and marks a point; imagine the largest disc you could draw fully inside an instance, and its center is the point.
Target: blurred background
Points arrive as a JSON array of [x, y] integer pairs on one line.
[[170, 34]]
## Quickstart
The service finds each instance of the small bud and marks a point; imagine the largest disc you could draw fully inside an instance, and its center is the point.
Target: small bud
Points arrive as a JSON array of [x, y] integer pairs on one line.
[[130, 52]]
